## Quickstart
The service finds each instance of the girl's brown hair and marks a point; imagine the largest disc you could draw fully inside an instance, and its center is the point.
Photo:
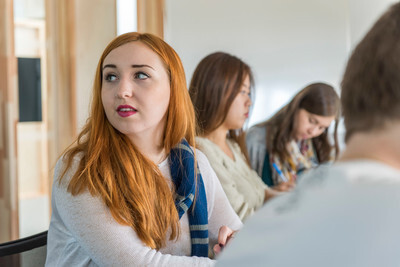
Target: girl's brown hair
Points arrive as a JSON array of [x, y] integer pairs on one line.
[[317, 98], [215, 83], [112, 167]]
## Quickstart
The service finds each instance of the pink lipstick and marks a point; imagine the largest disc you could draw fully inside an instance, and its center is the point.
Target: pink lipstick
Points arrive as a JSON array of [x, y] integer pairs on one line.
[[126, 110]]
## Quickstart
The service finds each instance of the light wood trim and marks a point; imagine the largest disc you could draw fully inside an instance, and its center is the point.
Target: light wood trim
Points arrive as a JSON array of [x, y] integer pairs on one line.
[[61, 80], [61, 84], [9, 226], [150, 15]]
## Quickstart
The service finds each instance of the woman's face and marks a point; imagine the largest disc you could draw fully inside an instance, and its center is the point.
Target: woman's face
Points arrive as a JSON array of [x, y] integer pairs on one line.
[[239, 110], [308, 125], [135, 91]]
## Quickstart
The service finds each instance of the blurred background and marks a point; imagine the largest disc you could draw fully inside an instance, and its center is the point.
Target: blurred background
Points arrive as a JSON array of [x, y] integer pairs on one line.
[[49, 51]]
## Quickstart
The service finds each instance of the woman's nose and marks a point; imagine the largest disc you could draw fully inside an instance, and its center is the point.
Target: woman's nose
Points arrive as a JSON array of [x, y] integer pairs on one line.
[[249, 102], [125, 89], [313, 130]]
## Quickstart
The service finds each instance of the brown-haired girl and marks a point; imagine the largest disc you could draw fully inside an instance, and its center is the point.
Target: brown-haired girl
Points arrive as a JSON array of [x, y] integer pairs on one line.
[[296, 137], [132, 190], [220, 91]]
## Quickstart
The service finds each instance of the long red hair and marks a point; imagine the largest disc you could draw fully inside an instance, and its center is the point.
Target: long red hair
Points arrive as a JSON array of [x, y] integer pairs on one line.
[[112, 168]]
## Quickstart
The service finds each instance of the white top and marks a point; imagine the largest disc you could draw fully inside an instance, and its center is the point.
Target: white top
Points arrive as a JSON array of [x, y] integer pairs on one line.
[[344, 215], [243, 187], [83, 232]]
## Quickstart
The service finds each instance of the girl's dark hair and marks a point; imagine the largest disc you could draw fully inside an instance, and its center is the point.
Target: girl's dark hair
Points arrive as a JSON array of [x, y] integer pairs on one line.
[[317, 98], [216, 82]]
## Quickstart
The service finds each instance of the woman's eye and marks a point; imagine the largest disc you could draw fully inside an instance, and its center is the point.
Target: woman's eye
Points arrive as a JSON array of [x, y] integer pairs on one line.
[[244, 92], [312, 121], [111, 77], [141, 76]]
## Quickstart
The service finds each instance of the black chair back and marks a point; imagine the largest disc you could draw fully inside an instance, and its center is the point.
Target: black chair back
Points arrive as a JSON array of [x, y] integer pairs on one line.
[[29, 251]]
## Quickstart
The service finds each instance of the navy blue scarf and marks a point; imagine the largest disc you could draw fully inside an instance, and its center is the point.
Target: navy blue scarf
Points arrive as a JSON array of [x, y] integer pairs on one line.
[[181, 161]]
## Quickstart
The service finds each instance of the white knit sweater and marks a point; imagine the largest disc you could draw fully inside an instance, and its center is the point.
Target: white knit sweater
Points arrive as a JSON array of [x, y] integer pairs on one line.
[[83, 232]]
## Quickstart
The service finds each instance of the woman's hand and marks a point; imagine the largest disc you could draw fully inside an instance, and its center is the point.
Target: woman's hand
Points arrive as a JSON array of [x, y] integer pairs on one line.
[[270, 193], [284, 186], [224, 236], [278, 190]]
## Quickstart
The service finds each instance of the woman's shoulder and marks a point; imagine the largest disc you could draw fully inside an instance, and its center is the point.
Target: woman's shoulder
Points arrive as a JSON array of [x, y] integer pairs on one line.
[[201, 157], [256, 134], [62, 163], [204, 164], [234, 145], [63, 160], [204, 150], [207, 147], [202, 142]]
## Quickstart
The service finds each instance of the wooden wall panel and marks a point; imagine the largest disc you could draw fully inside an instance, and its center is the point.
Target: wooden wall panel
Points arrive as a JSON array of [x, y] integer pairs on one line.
[[60, 33], [8, 122], [151, 16]]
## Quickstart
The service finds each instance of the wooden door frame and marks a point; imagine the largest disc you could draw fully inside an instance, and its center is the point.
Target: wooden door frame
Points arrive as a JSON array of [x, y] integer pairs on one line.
[[150, 14], [9, 226]]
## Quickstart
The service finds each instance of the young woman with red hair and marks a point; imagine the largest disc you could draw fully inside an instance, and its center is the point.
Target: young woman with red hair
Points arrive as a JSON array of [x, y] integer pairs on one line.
[[133, 190]]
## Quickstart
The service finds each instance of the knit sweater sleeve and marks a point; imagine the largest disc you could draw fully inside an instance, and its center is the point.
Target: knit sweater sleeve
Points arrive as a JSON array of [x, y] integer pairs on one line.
[[84, 233]]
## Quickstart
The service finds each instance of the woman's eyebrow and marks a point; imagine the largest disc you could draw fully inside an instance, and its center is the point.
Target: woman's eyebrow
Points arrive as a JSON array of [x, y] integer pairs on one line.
[[142, 66], [109, 66], [133, 66]]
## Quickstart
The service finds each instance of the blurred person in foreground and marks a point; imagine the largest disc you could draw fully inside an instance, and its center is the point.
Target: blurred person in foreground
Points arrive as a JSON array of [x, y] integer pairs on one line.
[[346, 214]]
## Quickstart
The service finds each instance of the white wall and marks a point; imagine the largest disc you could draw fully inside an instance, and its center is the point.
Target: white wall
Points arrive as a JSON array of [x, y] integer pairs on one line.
[[363, 14], [95, 27], [288, 43]]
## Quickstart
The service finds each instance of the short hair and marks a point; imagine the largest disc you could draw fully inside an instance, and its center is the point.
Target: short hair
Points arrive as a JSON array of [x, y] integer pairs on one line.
[[371, 83]]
